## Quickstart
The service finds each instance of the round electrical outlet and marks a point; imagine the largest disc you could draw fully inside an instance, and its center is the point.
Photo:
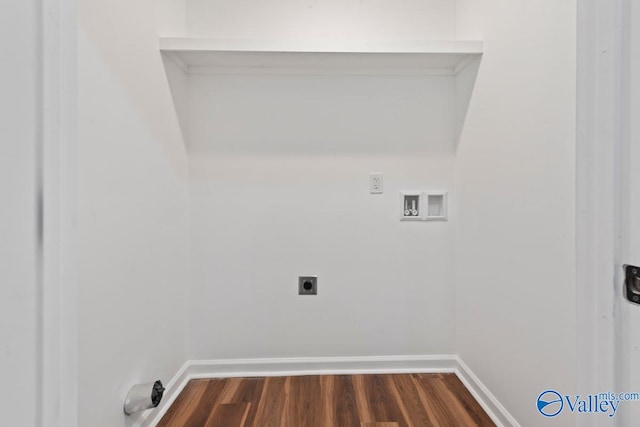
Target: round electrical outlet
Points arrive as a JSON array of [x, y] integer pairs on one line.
[[307, 285]]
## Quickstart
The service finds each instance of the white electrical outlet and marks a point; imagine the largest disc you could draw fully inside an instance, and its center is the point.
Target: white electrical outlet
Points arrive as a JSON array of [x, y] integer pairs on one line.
[[376, 184]]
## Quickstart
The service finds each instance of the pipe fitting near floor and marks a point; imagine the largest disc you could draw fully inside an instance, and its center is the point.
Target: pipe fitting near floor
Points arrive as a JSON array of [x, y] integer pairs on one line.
[[142, 397]]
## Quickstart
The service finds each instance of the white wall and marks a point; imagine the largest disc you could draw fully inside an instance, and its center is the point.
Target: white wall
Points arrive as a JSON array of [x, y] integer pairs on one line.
[[279, 182], [515, 179], [19, 124], [322, 19], [132, 211], [279, 188], [171, 17]]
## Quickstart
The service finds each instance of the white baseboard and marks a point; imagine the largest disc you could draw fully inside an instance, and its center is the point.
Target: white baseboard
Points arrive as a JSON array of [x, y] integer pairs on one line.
[[196, 369], [320, 366], [485, 398]]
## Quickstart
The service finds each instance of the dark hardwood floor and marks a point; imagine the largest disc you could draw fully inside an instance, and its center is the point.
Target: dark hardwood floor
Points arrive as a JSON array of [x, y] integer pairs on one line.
[[418, 400]]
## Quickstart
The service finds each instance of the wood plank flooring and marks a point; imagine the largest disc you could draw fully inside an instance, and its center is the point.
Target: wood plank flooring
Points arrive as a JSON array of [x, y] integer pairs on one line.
[[405, 400]]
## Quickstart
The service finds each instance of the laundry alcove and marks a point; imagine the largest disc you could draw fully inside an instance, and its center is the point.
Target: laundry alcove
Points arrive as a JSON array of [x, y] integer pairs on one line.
[[281, 140], [225, 149]]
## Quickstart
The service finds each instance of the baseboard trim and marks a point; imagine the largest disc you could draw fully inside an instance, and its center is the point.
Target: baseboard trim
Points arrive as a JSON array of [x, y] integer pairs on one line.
[[320, 366], [485, 398], [223, 368]]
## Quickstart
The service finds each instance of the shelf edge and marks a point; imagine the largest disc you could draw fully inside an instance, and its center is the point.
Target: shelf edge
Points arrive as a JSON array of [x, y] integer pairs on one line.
[[190, 44]]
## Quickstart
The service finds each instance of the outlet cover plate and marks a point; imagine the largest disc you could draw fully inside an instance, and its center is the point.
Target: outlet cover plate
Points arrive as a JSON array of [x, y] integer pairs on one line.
[[376, 183], [308, 285]]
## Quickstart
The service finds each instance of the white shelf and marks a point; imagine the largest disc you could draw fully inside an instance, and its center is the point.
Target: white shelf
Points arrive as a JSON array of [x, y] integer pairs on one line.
[[203, 56]]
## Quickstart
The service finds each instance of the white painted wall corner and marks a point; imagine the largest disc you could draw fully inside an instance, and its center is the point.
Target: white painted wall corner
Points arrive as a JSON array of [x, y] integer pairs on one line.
[[485, 398]]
